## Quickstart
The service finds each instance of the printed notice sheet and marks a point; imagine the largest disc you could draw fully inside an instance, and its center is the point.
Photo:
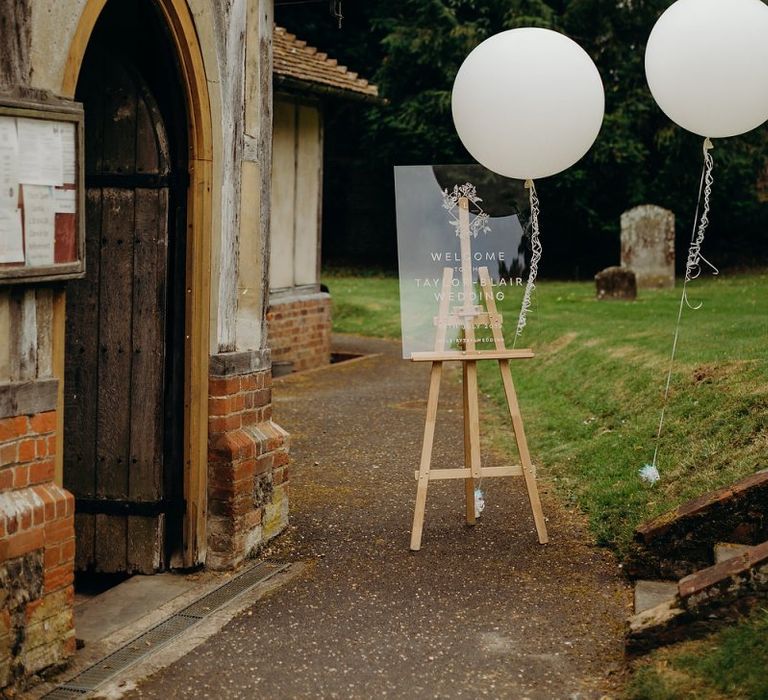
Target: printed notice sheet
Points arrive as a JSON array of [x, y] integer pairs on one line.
[[39, 224], [11, 243], [65, 201], [9, 174], [40, 160], [68, 154]]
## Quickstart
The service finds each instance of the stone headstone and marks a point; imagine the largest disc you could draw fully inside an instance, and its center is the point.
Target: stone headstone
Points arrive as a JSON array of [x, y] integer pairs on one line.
[[648, 245], [616, 283]]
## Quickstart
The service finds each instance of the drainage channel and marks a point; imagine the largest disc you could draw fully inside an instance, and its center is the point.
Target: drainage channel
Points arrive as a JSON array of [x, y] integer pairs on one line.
[[160, 635]]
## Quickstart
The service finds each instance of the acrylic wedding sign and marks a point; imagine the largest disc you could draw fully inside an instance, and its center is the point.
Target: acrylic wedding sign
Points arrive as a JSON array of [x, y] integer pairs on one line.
[[462, 253]]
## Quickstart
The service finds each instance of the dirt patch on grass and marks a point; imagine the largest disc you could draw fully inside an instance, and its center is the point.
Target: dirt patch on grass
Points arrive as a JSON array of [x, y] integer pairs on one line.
[[559, 344], [714, 371]]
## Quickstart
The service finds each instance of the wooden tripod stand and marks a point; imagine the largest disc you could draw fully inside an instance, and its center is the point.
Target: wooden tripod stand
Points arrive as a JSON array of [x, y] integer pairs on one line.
[[469, 316]]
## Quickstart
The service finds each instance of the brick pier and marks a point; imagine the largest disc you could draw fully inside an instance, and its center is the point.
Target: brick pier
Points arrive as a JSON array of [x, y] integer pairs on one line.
[[37, 540], [247, 459]]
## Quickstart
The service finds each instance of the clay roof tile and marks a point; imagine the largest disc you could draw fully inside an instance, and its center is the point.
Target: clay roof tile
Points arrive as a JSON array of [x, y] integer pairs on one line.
[[295, 60]]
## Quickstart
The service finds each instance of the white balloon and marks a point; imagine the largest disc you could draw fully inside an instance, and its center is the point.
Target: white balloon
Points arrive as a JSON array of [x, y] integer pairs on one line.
[[707, 65], [528, 103]]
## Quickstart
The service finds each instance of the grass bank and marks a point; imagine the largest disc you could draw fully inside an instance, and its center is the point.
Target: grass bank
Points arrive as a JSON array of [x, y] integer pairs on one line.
[[730, 665]]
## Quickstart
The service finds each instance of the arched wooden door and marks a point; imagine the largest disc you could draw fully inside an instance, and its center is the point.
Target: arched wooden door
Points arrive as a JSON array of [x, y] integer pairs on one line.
[[124, 356]]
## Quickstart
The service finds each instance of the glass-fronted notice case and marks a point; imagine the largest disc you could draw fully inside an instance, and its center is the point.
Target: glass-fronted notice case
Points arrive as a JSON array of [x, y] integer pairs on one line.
[[41, 191]]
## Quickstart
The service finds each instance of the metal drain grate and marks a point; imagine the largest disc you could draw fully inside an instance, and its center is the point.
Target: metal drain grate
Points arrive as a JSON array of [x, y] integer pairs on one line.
[[63, 693], [224, 593], [164, 632]]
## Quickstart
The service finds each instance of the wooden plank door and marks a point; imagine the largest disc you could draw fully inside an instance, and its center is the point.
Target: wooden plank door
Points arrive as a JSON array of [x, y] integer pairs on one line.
[[116, 359]]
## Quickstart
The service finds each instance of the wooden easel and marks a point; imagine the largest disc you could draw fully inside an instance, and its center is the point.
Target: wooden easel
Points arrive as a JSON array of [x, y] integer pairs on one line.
[[469, 316]]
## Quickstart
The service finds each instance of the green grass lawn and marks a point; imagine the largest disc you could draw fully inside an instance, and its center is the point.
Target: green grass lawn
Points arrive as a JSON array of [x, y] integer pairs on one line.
[[365, 305], [591, 400]]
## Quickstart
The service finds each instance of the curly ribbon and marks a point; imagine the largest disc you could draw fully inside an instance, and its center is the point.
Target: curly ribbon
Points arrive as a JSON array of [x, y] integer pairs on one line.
[[692, 272], [695, 258], [535, 258]]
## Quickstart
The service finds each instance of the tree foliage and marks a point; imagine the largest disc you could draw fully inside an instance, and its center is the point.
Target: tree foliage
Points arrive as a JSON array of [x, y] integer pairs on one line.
[[413, 48]]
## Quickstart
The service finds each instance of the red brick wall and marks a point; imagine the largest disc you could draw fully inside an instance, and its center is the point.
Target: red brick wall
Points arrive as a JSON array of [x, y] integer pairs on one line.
[[37, 548], [247, 463], [300, 330]]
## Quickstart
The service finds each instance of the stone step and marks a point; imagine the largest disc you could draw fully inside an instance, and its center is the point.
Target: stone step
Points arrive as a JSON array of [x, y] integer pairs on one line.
[[703, 600], [659, 625], [728, 550], [649, 594], [124, 604]]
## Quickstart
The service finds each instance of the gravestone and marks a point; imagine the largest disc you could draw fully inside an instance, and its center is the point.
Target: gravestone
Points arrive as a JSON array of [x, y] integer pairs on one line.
[[616, 283], [648, 245]]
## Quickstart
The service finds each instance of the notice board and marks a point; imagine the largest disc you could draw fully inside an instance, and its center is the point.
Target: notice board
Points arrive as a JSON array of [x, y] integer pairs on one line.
[[42, 191]]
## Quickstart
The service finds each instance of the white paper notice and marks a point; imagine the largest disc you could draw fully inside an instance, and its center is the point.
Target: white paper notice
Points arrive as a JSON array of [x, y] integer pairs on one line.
[[11, 243], [68, 154], [40, 161], [9, 162], [39, 224], [65, 202]]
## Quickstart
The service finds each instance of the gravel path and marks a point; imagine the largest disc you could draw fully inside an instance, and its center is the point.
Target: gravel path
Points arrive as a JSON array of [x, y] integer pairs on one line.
[[478, 612]]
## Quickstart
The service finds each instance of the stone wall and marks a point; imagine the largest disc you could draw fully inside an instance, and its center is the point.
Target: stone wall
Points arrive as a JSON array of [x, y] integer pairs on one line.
[[37, 538], [300, 330], [681, 541], [704, 602], [247, 459]]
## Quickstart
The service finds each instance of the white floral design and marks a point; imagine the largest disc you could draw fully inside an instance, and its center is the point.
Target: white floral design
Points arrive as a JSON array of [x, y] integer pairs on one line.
[[479, 222]]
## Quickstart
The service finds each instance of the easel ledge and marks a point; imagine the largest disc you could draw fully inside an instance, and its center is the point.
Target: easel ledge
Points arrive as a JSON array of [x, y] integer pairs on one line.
[[474, 355]]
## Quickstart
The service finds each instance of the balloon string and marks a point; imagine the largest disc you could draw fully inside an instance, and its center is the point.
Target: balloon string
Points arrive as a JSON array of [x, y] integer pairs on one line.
[[536, 256], [692, 272]]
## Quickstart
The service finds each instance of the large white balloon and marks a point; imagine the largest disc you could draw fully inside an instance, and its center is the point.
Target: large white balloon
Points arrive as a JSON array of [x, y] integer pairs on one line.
[[707, 65], [528, 103]]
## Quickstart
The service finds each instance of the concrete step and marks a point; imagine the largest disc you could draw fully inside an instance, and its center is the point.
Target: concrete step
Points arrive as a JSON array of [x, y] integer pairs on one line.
[[649, 594], [728, 550], [121, 606]]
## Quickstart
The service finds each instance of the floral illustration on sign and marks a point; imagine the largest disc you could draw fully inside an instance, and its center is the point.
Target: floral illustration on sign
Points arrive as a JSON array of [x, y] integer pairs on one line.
[[479, 222]]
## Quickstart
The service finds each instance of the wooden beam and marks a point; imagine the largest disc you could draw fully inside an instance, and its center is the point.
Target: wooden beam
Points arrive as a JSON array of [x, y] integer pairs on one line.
[[28, 397], [58, 346], [27, 335]]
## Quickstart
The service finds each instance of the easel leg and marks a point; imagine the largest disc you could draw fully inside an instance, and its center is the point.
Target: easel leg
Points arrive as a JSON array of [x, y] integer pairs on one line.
[[522, 446], [469, 484], [426, 455], [472, 427]]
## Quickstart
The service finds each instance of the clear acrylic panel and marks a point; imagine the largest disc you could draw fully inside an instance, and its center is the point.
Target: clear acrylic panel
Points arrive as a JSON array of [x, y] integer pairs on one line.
[[429, 199]]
